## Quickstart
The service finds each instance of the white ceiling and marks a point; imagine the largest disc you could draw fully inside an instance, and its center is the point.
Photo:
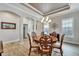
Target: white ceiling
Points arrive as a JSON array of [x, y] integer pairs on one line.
[[24, 11], [74, 7], [46, 8]]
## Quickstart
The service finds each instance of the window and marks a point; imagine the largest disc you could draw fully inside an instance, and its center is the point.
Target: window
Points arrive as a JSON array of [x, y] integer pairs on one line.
[[46, 28], [67, 27]]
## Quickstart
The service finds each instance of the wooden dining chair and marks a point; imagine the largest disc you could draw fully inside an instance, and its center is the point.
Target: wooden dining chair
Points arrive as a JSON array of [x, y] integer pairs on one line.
[[31, 45], [42, 33], [45, 45], [59, 45], [54, 34], [58, 36], [34, 36], [1, 48]]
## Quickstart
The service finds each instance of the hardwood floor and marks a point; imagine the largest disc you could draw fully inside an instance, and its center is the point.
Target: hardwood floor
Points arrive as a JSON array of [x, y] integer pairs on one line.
[[21, 49], [71, 49], [68, 50]]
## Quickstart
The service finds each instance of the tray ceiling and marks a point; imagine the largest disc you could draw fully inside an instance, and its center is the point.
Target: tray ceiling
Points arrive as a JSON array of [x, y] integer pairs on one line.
[[48, 8]]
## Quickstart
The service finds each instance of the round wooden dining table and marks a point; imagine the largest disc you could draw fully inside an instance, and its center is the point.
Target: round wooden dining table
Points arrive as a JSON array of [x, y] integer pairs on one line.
[[54, 39], [37, 40]]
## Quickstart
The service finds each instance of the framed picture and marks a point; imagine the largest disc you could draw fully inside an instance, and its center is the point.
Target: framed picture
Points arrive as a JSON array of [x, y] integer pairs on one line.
[[7, 25]]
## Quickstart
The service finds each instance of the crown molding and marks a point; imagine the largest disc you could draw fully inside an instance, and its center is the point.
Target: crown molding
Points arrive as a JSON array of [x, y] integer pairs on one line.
[[23, 11], [32, 8], [66, 7]]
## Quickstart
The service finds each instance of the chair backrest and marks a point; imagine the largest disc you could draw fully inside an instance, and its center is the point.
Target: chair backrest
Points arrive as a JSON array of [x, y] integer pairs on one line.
[[29, 39], [62, 38], [46, 42], [34, 36], [1, 46], [58, 36], [54, 34], [42, 33]]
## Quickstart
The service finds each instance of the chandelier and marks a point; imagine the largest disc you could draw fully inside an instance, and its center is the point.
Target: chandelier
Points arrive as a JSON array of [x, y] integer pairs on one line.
[[45, 20]]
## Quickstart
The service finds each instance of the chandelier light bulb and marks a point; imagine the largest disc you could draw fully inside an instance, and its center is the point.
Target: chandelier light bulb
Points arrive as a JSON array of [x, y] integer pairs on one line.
[[47, 18], [42, 19], [49, 21]]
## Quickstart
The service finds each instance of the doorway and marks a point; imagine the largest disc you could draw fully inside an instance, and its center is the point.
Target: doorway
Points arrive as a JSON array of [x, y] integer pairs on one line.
[[25, 30]]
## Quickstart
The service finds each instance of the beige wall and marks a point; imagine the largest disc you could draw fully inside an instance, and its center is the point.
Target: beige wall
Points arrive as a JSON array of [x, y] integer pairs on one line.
[[75, 16], [17, 34], [9, 34], [55, 20], [38, 26], [7, 16]]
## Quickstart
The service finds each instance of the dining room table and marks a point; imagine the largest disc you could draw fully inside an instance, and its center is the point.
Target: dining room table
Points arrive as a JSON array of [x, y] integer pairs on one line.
[[54, 39], [38, 37]]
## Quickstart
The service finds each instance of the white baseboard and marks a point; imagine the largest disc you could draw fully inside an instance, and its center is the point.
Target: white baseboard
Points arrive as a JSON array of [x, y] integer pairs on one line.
[[72, 42], [5, 42]]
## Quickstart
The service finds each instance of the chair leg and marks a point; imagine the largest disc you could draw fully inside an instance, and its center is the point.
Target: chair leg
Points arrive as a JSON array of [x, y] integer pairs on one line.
[[61, 52], [0, 54], [29, 51], [41, 54], [38, 50], [50, 54]]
